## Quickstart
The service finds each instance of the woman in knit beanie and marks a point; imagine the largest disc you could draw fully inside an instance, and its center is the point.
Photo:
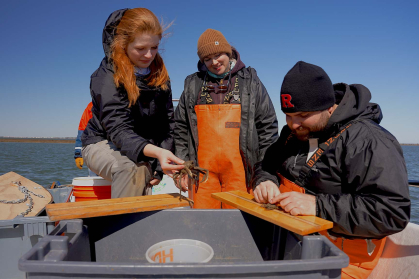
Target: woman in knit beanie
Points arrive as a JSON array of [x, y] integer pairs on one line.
[[224, 121]]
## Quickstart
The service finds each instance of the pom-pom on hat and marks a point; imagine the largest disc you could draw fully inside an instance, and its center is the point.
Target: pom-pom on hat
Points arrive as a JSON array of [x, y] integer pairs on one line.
[[306, 87], [212, 42]]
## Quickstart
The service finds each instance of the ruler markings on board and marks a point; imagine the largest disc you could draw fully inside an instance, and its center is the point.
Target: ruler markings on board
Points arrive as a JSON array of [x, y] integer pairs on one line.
[[276, 210]]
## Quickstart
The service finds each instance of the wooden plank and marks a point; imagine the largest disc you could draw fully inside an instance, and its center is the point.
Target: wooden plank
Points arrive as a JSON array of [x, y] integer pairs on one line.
[[112, 201], [10, 192], [302, 225], [59, 209], [117, 206]]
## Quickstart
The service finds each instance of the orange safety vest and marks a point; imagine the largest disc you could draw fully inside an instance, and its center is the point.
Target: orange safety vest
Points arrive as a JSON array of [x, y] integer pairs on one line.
[[87, 114], [219, 152], [362, 259]]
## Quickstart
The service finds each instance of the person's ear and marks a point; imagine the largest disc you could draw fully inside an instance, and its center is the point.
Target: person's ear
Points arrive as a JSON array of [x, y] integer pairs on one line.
[[332, 109]]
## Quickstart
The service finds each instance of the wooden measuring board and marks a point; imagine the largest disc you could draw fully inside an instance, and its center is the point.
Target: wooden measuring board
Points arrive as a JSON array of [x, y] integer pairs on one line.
[[301, 225], [10, 192], [86, 209]]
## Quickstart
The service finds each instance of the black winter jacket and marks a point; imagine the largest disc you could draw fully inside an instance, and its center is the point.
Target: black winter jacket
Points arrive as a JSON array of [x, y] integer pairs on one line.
[[360, 181], [259, 125], [149, 120]]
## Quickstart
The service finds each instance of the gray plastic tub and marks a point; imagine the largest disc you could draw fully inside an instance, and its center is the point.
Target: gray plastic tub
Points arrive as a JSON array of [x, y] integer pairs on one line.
[[244, 247], [20, 234]]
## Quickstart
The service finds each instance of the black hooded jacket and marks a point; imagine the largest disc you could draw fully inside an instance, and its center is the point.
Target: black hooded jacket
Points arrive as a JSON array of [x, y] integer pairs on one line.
[[360, 181], [149, 120], [259, 125]]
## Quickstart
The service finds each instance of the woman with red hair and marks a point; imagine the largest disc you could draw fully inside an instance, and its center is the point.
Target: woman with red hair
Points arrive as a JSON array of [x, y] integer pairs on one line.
[[132, 114]]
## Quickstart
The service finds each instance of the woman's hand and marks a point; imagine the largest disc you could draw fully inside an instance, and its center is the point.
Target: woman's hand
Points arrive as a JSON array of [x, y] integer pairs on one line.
[[154, 181], [166, 158]]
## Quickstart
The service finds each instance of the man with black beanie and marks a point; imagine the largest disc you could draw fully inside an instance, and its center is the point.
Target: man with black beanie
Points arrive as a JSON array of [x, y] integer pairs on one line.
[[335, 161]]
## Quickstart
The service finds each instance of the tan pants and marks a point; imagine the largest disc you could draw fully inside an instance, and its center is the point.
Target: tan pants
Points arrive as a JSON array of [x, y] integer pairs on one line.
[[128, 178]]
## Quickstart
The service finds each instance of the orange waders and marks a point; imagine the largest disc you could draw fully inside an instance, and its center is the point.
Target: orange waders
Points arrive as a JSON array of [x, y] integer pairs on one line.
[[361, 263], [219, 152]]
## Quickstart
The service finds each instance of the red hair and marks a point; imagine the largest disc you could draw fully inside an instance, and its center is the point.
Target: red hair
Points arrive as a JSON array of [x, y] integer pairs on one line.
[[135, 21]]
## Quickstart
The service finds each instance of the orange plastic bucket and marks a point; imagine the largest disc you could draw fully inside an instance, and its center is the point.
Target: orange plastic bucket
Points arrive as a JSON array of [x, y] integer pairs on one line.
[[91, 188]]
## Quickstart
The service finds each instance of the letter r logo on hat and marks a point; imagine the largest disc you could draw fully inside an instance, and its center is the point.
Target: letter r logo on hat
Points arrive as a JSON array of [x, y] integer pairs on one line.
[[286, 101]]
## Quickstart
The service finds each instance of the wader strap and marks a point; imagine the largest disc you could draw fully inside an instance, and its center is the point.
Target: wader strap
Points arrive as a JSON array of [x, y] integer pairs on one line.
[[235, 94], [205, 97], [305, 170]]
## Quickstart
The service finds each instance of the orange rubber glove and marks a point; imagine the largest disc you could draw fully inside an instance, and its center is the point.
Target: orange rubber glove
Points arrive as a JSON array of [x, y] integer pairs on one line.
[[79, 162]]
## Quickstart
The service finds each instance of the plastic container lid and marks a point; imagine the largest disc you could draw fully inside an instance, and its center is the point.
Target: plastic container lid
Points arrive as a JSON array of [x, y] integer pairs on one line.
[[180, 251], [90, 181]]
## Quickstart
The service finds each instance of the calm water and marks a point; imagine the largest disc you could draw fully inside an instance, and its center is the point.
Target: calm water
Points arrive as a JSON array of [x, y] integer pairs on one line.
[[45, 163]]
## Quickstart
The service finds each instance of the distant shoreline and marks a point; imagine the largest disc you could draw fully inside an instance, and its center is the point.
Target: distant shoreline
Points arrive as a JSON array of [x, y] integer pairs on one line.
[[58, 140], [52, 140]]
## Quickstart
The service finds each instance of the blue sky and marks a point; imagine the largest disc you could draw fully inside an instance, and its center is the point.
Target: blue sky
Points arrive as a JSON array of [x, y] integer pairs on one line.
[[49, 49]]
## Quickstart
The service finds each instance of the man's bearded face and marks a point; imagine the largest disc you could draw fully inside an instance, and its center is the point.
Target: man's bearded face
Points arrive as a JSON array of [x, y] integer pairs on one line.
[[304, 124]]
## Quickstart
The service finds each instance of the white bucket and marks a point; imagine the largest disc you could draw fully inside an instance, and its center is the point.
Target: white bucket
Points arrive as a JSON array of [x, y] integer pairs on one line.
[[180, 251], [90, 181]]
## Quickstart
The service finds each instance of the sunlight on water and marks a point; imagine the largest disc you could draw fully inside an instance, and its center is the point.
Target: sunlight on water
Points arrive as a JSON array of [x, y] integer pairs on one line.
[[45, 163]]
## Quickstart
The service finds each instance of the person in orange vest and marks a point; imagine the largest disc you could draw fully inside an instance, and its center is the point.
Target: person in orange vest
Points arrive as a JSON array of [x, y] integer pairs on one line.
[[87, 114], [335, 161], [224, 121]]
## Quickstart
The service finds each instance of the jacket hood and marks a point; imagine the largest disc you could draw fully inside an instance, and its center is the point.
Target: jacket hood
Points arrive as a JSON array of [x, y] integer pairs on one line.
[[236, 55], [110, 29], [353, 102]]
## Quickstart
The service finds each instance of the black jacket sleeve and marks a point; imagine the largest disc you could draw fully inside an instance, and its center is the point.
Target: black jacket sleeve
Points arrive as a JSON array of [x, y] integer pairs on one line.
[[182, 127], [265, 119], [115, 116], [375, 202]]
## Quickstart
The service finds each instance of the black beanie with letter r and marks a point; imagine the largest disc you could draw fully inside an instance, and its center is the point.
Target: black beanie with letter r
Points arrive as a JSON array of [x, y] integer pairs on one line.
[[306, 87]]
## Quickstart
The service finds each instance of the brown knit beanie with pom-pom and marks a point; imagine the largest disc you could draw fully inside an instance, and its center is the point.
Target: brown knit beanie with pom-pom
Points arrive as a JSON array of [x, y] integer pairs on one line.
[[212, 42]]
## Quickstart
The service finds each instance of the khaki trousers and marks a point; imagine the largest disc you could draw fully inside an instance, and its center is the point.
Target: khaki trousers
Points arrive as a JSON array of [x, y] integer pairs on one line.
[[128, 178]]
